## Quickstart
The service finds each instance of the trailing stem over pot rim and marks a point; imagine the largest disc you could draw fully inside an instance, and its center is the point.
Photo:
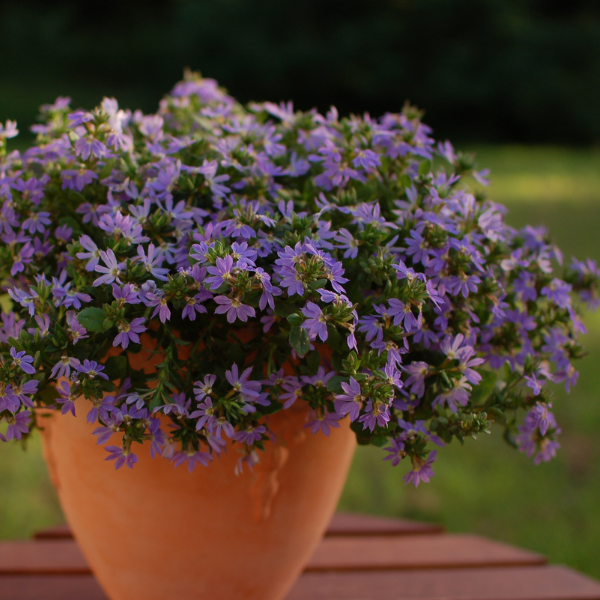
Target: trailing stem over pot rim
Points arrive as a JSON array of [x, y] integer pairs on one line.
[[273, 257]]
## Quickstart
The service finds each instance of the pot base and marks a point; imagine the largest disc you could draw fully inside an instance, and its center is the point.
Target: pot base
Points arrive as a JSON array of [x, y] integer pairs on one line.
[[156, 532]]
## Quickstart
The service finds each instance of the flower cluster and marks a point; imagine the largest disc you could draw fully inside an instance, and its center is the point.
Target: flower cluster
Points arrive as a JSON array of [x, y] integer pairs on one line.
[[272, 257]]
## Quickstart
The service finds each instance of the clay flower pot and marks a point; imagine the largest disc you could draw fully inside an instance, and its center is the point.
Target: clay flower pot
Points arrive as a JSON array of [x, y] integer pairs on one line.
[[160, 532]]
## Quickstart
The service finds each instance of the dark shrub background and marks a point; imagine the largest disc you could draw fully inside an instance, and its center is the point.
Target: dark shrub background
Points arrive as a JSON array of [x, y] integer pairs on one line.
[[485, 70]]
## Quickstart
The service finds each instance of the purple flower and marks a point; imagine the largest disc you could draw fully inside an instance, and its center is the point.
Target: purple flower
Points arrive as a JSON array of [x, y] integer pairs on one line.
[[125, 295], [104, 433], [63, 367], [21, 258], [367, 159], [8, 400], [421, 470], [193, 306], [152, 262], [92, 369], [241, 383], [75, 330], [128, 332], [558, 291], [348, 243], [234, 309], [209, 170], [101, 407], [393, 376], [112, 271], [376, 414], [250, 435], [9, 130], [322, 421], [403, 315], [335, 277], [418, 248], [292, 280], [77, 179], [319, 380], [395, 451], [93, 253], [159, 301], [121, 456], [204, 388], [416, 381], [66, 399], [193, 459], [65, 296], [206, 415], [316, 322], [23, 361], [463, 284], [243, 255], [221, 272], [180, 406], [458, 394], [18, 425], [88, 146], [292, 390], [24, 391], [351, 401], [37, 221], [454, 348]]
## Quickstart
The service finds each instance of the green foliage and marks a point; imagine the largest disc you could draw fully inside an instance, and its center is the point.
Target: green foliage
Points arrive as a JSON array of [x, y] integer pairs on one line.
[[551, 508], [92, 319]]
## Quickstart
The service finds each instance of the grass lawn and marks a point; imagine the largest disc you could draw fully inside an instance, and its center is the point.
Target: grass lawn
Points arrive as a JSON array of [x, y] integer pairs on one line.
[[487, 487]]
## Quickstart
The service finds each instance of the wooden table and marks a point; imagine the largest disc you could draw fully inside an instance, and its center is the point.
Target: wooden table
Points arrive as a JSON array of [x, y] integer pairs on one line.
[[360, 558]]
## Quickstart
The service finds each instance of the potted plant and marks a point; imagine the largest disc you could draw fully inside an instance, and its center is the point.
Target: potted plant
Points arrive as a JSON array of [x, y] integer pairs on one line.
[[247, 291]]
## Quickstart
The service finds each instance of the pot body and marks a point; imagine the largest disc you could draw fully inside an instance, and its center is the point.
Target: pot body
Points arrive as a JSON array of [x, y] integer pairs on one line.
[[156, 532]]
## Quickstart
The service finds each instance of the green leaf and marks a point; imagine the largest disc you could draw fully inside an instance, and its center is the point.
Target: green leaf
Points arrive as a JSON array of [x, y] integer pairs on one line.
[[155, 402], [92, 319], [48, 395], [484, 388], [320, 283], [335, 384], [406, 181], [496, 413], [283, 310], [295, 319], [299, 340], [116, 367], [107, 168], [269, 410], [236, 354], [313, 360], [379, 440], [425, 167], [509, 438]]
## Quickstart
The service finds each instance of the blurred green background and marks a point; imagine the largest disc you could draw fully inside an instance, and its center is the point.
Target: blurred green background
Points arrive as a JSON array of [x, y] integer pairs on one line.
[[513, 80]]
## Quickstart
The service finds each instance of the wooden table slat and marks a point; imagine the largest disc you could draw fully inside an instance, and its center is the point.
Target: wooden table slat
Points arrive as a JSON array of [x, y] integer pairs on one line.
[[416, 552], [60, 532], [517, 583], [361, 558], [50, 557], [53, 587], [346, 553], [342, 524], [511, 583]]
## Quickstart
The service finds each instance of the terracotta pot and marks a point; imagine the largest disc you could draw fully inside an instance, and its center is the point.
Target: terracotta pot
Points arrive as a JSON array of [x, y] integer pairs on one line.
[[156, 532]]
